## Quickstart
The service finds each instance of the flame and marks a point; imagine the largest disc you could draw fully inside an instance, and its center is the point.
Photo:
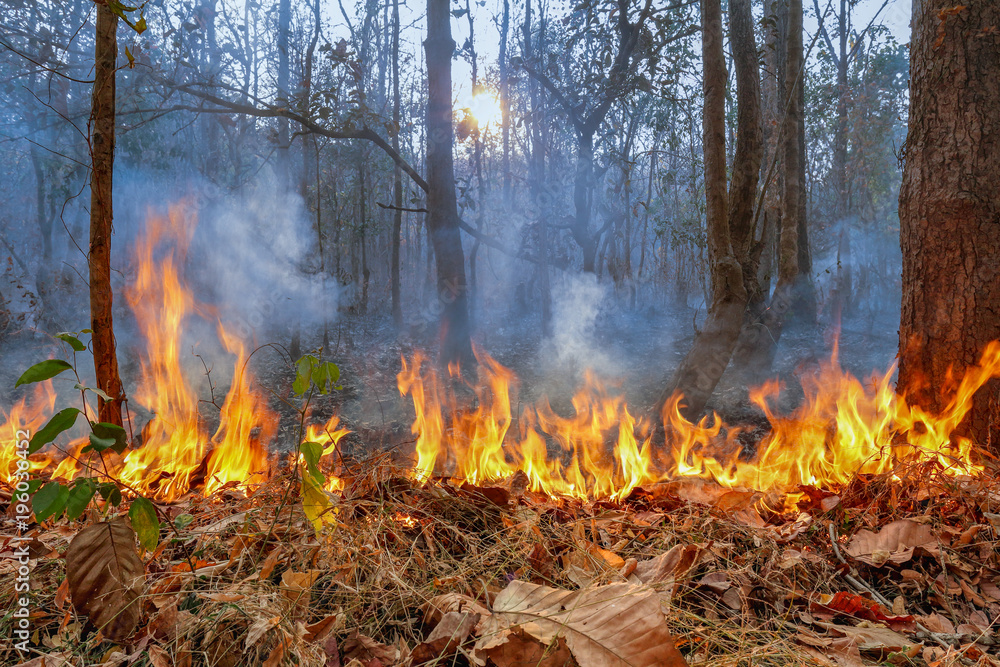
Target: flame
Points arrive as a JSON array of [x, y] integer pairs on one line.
[[328, 436], [842, 429], [468, 429], [27, 415]]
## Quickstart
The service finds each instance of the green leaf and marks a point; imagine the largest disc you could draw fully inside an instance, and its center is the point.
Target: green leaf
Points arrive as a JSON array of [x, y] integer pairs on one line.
[[50, 501], [98, 444], [145, 523], [79, 498], [43, 370], [111, 493], [106, 436], [33, 485], [303, 373], [72, 340], [83, 387], [182, 521], [61, 421], [311, 453], [140, 26]]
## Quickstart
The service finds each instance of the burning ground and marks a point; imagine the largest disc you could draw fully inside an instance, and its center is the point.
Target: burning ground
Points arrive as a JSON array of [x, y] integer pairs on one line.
[[496, 529]]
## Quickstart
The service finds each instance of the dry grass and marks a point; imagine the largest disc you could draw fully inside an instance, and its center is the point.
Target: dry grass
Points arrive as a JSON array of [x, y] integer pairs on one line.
[[397, 545]]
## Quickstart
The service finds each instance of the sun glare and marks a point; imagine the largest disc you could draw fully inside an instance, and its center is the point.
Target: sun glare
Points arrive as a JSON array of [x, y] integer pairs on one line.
[[485, 108]]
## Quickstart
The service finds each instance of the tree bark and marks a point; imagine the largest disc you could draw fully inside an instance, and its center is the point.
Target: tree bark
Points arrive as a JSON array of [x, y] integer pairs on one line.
[[102, 145], [728, 216], [397, 174], [442, 207], [948, 208]]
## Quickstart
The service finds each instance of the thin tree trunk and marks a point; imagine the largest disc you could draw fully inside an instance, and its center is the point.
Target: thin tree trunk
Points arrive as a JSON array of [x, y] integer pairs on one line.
[[442, 207], [102, 143], [728, 216], [397, 174], [948, 209]]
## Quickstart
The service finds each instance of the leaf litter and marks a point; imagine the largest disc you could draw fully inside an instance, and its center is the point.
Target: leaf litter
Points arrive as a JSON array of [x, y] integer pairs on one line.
[[896, 569]]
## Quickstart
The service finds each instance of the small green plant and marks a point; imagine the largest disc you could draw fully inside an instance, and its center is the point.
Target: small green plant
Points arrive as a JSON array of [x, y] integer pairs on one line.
[[51, 500], [311, 376]]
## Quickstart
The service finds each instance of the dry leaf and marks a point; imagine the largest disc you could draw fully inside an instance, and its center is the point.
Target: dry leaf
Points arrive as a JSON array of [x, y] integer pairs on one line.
[[61, 659], [105, 577], [609, 626], [365, 649], [516, 648], [452, 631], [673, 565], [158, 657], [894, 543], [871, 639], [258, 629], [852, 604]]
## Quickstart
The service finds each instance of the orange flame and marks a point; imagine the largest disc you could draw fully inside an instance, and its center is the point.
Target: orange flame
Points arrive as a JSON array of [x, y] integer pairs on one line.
[[843, 428]]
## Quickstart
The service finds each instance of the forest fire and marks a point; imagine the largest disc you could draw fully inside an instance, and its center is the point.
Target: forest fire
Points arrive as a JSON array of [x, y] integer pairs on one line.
[[842, 429], [601, 451]]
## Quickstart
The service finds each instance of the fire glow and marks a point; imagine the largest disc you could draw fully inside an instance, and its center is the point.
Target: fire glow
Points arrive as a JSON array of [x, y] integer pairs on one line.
[[842, 428]]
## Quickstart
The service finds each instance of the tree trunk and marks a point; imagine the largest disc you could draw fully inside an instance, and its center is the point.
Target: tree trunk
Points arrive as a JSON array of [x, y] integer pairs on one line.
[[102, 144], [794, 291], [839, 163], [583, 194], [727, 221], [948, 208], [505, 103], [397, 174], [442, 207]]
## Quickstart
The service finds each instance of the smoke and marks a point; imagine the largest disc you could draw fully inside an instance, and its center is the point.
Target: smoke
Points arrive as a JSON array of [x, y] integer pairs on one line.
[[577, 302]]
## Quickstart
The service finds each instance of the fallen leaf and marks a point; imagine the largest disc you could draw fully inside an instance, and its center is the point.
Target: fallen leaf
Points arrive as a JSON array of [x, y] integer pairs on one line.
[[258, 628], [516, 648], [871, 639], [673, 566], [158, 657], [365, 649], [105, 577], [608, 626], [60, 659], [852, 604], [893, 544], [452, 631]]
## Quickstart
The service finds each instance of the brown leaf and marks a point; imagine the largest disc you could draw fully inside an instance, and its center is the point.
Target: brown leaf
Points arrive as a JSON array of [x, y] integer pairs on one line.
[[608, 626], [60, 659], [852, 604], [277, 654], [516, 648], [673, 565], [872, 639], [158, 657], [451, 632], [105, 577], [321, 629], [893, 544], [365, 649], [435, 609]]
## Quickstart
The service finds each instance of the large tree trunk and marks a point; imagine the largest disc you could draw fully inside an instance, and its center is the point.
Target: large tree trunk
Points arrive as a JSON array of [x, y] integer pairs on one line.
[[728, 216], [102, 145], [442, 207], [948, 209]]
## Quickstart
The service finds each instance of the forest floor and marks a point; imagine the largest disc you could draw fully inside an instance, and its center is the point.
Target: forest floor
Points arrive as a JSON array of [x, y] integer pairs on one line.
[[888, 571], [893, 569]]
